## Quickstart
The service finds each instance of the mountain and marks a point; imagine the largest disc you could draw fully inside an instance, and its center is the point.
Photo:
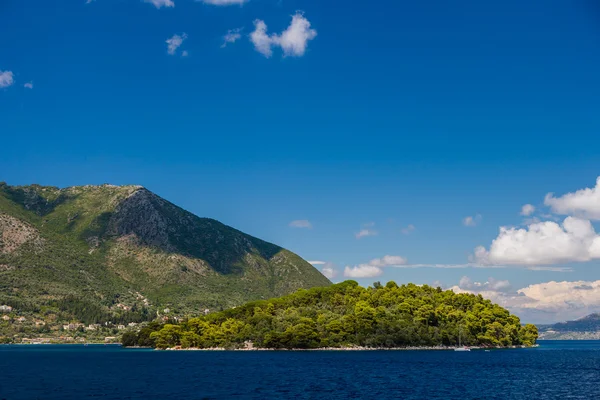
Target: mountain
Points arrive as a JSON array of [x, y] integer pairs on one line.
[[583, 328], [98, 252]]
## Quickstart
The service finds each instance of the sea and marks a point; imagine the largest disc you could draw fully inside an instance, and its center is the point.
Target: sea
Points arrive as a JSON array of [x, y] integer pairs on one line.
[[554, 370]]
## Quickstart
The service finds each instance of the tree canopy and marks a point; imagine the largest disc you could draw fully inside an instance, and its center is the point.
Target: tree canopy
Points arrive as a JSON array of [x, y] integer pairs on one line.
[[346, 314]]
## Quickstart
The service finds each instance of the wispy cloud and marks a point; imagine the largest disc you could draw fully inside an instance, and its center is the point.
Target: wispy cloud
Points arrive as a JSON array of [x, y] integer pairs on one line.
[[28, 85], [362, 271], [408, 229], [161, 3], [374, 267], [6, 79], [472, 221], [527, 210], [232, 36], [293, 41], [174, 42], [364, 233], [224, 2], [328, 268], [301, 223]]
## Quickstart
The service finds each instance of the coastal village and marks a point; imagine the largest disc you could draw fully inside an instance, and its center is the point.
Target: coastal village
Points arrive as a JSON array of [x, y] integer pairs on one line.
[[22, 327]]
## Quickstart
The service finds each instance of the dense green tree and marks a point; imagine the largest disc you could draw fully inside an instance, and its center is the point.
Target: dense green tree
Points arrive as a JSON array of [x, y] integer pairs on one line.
[[346, 314]]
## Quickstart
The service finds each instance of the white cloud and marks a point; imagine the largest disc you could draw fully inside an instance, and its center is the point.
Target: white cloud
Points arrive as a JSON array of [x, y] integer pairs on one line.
[[374, 267], [546, 302], [293, 41], [231, 37], [584, 203], [224, 2], [185, 53], [262, 42], [28, 85], [362, 271], [527, 210], [491, 284], [174, 43], [329, 270], [543, 243], [472, 221], [6, 79], [301, 223], [161, 3], [365, 232], [387, 261], [408, 229], [295, 38]]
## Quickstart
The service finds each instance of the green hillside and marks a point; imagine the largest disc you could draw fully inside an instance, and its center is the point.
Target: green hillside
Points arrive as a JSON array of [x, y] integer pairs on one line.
[[121, 253], [345, 315]]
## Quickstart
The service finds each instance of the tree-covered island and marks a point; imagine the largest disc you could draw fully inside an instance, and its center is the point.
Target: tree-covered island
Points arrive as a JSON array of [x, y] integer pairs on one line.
[[348, 315]]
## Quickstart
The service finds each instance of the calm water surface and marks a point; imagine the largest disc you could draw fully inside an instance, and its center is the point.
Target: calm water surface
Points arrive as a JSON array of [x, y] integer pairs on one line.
[[555, 370]]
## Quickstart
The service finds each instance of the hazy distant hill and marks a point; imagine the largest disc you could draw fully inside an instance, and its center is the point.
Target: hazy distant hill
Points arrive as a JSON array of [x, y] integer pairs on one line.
[[108, 249], [584, 328]]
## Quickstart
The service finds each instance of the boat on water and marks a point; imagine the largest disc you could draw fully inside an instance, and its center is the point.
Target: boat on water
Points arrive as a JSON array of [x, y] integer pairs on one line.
[[460, 347]]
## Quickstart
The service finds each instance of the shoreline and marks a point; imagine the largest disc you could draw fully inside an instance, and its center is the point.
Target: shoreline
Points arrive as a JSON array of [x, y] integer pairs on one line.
[[357, 348], [353, 348]]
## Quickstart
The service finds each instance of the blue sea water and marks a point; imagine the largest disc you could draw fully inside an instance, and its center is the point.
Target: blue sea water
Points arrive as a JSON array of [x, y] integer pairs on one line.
[[555, 370]]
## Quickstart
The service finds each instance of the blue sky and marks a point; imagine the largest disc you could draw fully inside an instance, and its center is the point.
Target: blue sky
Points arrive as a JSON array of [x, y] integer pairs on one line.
[[351, 116]]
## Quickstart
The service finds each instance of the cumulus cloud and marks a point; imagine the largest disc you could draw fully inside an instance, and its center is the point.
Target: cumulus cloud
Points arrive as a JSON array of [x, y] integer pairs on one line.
[[262, 42], [472, 221], [543, 243], [28, 85], [161, 3], [527, 210], [293, 41], [224, 2], [174, 42], [231, 36], [301, 223], [6, 79], [408, 229], [546, 302], [364, 233], [584, 203]]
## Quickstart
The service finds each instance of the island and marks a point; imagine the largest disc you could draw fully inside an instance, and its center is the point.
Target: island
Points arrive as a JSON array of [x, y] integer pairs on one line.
[[345, 316]]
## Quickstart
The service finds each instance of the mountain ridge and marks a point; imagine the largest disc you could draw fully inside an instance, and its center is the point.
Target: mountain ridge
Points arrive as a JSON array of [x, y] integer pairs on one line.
[[108, 244], [584, 328]]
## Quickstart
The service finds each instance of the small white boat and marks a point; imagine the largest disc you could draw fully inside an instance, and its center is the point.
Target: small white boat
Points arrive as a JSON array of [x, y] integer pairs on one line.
[[461, 348]]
